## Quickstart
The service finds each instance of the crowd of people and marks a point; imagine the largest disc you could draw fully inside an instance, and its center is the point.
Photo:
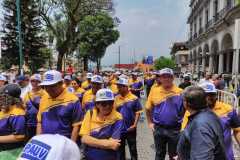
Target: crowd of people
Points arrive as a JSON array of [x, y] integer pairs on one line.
[[93, 116]]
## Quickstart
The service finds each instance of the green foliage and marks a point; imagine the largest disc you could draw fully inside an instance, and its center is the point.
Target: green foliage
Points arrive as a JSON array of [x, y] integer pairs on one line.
[[97, 32], [63, 17], [164, 62], [33, 40]]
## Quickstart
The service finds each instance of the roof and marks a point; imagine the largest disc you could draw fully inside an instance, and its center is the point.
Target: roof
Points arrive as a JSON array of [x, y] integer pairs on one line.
[[179, 46]]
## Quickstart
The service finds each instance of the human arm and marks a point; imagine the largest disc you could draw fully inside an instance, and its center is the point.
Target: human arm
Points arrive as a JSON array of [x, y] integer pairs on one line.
[[138, 110], [112, 144], [148, 109], [39, 128], [12, 138], [237, 136]]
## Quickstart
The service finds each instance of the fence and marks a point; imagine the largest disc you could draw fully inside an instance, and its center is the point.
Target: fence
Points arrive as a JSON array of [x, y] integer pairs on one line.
[[228, 98]]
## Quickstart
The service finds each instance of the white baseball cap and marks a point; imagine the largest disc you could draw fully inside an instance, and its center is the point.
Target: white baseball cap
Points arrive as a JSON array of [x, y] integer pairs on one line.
[[123, 76], [89, 75], [117, 73], [123, 81], [104, 95], [97, 79], [208, 87], [50, 147], [166, 71], [51, 77], [68, 77], [36, 77], [2, 78]]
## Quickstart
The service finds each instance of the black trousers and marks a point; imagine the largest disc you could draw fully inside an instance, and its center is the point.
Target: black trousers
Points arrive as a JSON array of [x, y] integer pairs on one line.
[[165, 139], [131, 138]]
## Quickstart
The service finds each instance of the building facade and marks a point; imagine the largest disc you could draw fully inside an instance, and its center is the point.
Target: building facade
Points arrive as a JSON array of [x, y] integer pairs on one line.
[[211, 36], [180, 53]]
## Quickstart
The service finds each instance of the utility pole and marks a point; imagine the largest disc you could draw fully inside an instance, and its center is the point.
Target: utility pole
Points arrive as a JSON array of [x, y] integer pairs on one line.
[[119, 56], [19, 36]]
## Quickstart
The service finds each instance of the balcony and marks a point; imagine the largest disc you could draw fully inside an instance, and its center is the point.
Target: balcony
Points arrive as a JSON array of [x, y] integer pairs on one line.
[[209, 24], [220, 15]]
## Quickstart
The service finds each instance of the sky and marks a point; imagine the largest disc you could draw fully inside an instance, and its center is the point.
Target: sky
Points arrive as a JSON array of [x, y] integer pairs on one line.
[[148, 27]]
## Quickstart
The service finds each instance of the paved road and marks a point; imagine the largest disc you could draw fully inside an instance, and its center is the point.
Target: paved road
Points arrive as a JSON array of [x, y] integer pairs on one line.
[[144, 143]]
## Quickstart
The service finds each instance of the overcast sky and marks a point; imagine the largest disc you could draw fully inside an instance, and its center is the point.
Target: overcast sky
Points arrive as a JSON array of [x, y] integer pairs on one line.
[[149, 27]]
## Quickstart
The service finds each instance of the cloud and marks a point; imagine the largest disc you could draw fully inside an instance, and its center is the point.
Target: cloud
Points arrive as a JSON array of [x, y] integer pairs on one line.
[[148, 27]]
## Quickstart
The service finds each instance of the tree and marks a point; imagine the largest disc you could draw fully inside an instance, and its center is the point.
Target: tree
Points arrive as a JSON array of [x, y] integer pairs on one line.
[[97, 32], [33, 40], [164, 62], [68, 14]]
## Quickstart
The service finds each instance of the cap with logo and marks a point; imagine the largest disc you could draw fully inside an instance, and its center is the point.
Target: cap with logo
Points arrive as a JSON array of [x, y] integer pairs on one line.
[[89, 75], [97, 79], [36, 77], [50, 147], [51, 77], [122, 81], [12, 90], [208, 87], [3, 78], [167, 71], [104, 95]]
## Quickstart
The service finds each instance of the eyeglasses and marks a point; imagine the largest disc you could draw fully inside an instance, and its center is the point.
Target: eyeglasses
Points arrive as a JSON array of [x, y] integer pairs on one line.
[[74, 84], [105, 103]]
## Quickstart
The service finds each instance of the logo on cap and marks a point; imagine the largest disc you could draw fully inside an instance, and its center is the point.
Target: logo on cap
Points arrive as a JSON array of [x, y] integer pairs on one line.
[[36, 150], [49, 77]]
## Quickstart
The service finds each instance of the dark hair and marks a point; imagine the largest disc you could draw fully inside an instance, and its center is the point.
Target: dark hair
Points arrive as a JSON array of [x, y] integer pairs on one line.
[[78, 81], [195, 97]]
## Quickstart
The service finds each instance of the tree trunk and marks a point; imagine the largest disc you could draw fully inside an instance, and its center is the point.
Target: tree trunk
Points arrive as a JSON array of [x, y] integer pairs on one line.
[[85, 63], [59, 61], [98, 65]]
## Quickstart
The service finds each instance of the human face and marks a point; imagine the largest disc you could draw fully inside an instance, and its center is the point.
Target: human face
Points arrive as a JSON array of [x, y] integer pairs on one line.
[[75, 85], [54, 90], [105, 107], [2, 83], [122, 89], [35, 84], [211, 99], [96, 87], [166, 80]]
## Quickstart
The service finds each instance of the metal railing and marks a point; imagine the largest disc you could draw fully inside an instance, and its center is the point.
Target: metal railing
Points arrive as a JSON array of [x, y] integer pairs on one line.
[[228, 98]]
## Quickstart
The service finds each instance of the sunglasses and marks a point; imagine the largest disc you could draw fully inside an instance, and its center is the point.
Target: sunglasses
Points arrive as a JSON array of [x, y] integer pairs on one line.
[[74, 84], [105, 103], [34, 81]]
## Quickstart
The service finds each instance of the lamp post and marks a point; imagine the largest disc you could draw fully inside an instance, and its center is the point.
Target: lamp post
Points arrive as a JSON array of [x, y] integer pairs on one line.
[[19, 36]]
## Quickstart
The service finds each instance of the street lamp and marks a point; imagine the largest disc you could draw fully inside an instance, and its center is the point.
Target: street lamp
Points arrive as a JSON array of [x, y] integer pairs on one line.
[[19, 36]]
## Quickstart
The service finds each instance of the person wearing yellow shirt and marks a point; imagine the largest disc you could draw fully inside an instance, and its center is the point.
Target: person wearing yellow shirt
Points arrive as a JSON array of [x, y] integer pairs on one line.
[[149, 80], [165, 111], [31, 102], [60, 111], [113, 85], [229, 118], [87, 83], [89, 96], [12, 118], [78, 90], [102, 128], [130, 107], [136, 86]]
